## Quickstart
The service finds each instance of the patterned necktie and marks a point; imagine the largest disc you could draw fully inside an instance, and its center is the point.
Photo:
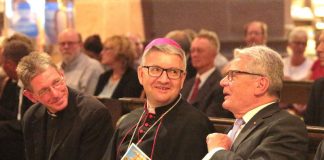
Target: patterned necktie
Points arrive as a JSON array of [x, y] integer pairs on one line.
[[194, 91], [237, 124]]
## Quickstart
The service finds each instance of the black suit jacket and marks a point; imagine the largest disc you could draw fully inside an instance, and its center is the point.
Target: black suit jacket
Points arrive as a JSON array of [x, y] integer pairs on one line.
[[271, 134], [11, 138], [210, 96], [314, 114], [84, 130], [9, 101], [128, 86]]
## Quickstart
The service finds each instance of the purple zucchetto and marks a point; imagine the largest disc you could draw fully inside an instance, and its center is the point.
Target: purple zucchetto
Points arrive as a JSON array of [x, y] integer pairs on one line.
[[161, 41]]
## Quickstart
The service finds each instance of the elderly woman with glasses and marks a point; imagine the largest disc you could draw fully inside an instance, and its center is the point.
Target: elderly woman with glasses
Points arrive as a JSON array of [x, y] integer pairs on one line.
[[121, 79]]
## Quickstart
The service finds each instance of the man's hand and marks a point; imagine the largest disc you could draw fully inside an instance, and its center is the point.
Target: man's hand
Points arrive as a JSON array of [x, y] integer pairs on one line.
[[218, 140]]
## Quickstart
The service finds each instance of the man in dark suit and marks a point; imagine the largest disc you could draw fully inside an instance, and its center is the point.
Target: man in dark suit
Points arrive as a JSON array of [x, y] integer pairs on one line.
[[203, 91], [252, 90], [314, 114], [12, 103], [63, 124]]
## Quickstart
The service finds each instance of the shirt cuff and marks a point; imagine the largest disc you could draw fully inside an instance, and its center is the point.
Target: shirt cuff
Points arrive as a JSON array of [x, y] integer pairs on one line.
[[212, 152]]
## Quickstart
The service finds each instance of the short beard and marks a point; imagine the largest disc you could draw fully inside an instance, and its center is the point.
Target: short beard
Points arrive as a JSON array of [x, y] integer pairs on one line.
[[67, 57]]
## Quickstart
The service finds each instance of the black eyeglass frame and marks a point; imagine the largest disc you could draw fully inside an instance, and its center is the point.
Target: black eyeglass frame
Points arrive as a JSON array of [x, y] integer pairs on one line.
[[167, 70]]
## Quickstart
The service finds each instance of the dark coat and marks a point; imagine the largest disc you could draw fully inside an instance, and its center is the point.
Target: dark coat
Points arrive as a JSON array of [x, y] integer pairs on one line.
[[128, 85], [84, 130], [210, 96], [314, 114], [271, 134], [180, 135]]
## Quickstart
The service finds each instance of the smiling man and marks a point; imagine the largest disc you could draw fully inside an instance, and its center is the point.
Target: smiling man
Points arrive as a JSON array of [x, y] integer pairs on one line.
[[262, 130], [167, 127], [63, 124]]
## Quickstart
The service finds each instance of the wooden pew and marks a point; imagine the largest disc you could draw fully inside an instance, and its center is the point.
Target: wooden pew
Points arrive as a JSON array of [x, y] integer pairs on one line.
[[120, 107], [315, 133], [296, 92]]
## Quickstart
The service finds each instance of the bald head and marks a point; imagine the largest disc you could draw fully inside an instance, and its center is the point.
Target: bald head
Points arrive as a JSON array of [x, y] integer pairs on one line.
[[70, 43]]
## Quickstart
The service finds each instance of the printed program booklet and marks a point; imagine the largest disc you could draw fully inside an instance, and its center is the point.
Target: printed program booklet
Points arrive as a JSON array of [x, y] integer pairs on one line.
[[135, 153]]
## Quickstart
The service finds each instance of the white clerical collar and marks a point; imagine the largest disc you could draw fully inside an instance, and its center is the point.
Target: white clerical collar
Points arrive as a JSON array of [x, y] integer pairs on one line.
[[203, 77], [249, 115]]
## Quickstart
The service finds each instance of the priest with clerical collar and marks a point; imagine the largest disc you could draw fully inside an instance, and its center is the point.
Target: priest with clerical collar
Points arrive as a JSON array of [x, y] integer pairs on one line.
[[167, 127], [63, 123]]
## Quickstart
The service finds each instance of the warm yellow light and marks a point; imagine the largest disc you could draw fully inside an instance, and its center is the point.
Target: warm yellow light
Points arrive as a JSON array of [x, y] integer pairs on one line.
[[319, 25]]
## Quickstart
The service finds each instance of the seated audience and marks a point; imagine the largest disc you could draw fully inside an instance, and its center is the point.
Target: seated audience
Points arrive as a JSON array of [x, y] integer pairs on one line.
[[139, 46], [13, 104], [63, 124], [167, 127], [93, 46], [297, 66], [184, 40], [256, 33], [121, 79], [81, 72], [262, 130], [203, 91], [317, 70]]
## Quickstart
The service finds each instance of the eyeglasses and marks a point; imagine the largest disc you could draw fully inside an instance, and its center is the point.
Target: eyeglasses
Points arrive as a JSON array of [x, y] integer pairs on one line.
[[299, 43], [230, 74], [55, 85], [69, 43], [155, 71], [254, 33]]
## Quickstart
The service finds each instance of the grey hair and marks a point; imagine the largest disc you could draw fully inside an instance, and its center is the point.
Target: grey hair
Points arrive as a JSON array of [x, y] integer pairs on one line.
[[297, 32], [32, 65], [266, 62], [166, 49], [211, 37]]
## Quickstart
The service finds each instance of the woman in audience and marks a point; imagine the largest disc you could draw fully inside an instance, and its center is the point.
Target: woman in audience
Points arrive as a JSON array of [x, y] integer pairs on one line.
[[297, 66], [121, 80]]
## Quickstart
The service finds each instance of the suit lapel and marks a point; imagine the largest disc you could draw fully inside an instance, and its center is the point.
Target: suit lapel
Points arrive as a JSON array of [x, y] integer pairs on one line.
[[207, 87], [253, 124], [38, 128]]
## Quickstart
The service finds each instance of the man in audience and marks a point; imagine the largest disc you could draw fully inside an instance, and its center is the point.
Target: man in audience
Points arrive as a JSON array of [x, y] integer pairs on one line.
[[256, 33], [203, 91], [297, 66], [167, 127], [81, 72], [262, 130], [314, 114], [138, 45], [63, 124], [12, 102], [184, 40]]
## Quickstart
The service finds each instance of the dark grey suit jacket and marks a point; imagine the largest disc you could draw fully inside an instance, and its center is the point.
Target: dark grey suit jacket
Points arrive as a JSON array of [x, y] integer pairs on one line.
[[314, 114], [210, 96], [84, 131], [271, 134]]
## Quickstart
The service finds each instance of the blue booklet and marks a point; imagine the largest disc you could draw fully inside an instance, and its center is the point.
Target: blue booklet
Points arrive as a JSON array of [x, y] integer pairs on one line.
[[135, 153]]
